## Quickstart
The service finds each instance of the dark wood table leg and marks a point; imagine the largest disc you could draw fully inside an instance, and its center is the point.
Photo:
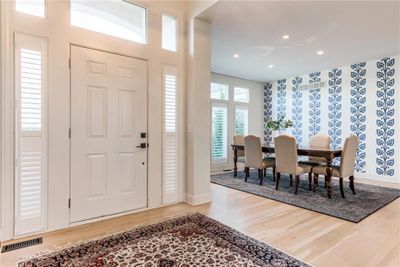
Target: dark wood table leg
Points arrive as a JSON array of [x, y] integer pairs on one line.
[[235, 162], [329, 172]]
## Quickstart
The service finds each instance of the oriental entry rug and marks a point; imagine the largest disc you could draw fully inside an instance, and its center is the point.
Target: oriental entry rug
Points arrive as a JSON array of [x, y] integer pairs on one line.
[[189, 240]]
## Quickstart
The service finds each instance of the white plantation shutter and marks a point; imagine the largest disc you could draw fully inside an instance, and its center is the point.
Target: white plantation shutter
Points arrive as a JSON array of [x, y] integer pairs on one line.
[[170, 137], [219, 132], [241, 120], [31, 137]]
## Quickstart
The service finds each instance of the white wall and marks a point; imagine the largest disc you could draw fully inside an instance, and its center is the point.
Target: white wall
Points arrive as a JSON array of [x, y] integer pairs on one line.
[[369, 170], [256, 110], [198, 102], [60, 34]]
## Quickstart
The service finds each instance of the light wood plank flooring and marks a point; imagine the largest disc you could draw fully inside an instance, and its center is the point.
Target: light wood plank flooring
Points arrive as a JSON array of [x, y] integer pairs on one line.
[[315, 238]]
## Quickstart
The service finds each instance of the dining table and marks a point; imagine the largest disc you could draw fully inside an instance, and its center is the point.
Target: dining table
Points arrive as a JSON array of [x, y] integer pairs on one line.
[[328, 153]]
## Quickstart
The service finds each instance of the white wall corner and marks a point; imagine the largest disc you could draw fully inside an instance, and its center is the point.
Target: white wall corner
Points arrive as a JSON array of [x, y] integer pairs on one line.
[[198, 136], [197, 199]]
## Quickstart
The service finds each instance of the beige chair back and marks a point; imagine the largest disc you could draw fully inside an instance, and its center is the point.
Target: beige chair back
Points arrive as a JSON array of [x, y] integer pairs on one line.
[[348, 158], [285, 154], [239, 140], [319, 141], [253, 152]]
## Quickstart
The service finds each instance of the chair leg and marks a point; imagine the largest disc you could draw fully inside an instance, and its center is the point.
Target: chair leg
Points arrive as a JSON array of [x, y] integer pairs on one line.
[[315, 183], [309, 181], [265, 172], [326, 180], [260, 174], [291, 180], [341, 187], [278, 176], [297, 180], [351, 184], [246, 171], [273, 173], [316, 176]]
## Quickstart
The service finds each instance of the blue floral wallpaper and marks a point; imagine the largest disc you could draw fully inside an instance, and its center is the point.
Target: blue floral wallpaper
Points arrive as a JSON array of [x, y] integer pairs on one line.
[[335, 109], [281, 98], [358, 111], [385, 112], [359, 99], [267, 111], [297, 109], [314, 105]]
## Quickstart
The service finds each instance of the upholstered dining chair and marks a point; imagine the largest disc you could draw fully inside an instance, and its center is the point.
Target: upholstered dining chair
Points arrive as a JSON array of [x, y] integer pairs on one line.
[[346, 168], [254, 157], [239, 140], [317, 141], [286, 160]]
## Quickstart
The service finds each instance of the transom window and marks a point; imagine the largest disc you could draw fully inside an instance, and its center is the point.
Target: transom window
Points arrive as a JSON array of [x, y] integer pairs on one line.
[[113, 17], [241, 95], [219, 91], [31, 7], [169, 33]]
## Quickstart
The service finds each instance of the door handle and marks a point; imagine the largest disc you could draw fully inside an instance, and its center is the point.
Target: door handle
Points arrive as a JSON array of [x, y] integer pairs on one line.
[[142, 145]]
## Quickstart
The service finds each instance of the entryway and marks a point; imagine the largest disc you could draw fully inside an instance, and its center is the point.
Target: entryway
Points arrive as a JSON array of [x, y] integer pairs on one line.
[[108, 134]]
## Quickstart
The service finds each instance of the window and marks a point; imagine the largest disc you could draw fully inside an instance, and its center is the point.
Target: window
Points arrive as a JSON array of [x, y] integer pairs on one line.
[[170, 137], [115, 17], [31, 7], [241, 120], [219, 124], [219, 91], [31, 137], [229, 116], [241, 95], [169, 33]]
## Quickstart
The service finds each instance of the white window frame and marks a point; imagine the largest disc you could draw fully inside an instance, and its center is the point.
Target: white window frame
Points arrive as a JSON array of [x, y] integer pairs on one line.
[[145, 24], [227, 92], [221, 104], [226, 104], [176, 31], [25, 41], [29, 14], [168, 136], [232, 106], [242, 106], [248, 94]]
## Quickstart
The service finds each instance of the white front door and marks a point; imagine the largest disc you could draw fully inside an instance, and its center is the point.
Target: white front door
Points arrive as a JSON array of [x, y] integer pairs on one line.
[[108, 115]]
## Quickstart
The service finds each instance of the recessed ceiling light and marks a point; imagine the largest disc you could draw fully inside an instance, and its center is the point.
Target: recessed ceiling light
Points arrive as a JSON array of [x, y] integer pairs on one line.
[[270, 66], [320, 52], [236, 55], [286, 36]]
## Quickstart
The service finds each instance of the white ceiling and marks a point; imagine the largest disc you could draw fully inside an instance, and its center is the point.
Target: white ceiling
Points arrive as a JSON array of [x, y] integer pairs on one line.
[[347, 32]]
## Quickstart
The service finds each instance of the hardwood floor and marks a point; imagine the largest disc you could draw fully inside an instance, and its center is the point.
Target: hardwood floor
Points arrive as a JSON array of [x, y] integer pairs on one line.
[[318, 239]]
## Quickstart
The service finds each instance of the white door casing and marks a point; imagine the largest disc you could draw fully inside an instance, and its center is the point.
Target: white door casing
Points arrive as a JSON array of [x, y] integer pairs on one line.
[[108, 113]]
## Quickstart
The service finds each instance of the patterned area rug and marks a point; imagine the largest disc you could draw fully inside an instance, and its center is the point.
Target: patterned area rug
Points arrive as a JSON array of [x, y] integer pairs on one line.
[[354, 208], [190, 240]]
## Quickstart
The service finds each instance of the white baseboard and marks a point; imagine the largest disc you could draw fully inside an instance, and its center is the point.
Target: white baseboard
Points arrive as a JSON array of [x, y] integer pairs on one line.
[[197, 199], [376, 178]]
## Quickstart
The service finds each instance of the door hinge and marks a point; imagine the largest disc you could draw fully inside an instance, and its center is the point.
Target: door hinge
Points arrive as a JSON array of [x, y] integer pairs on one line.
[[69, 63], [69, 133], [69, 203]]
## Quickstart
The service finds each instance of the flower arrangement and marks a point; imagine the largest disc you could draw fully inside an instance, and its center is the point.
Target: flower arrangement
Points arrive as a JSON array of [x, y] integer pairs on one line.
[[279, 124]]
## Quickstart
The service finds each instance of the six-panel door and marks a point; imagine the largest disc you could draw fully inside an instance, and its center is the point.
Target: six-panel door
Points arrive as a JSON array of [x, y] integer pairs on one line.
[[108, 113]]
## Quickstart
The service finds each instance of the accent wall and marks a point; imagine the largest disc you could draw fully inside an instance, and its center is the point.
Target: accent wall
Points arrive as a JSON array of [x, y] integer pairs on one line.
[[361, 99]]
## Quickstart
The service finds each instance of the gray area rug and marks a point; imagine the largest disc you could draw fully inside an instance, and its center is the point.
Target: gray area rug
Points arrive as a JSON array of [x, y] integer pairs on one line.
[[354, 208]]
